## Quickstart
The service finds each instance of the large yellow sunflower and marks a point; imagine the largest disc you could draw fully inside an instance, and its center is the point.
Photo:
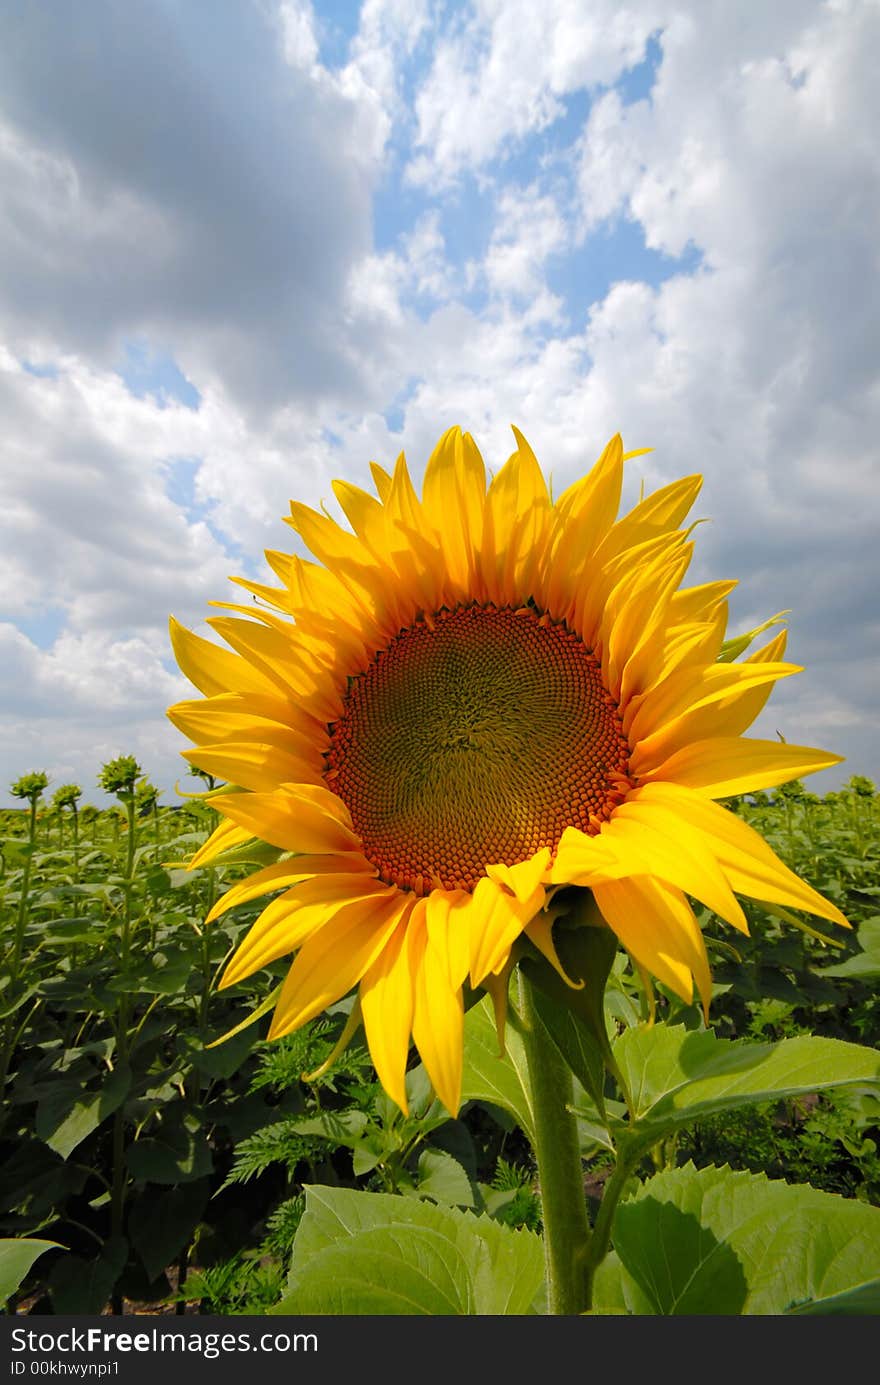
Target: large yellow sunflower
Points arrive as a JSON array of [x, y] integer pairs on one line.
[[470, 700]]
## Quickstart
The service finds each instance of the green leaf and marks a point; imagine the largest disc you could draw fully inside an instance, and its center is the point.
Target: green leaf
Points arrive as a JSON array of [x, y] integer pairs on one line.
[[36, 1180], [576, 1044], [441, 1177], [162, 973], [66, 1115], [228, 1056], [18, 1001], [676, 1075], [487, 1076], [222, 1044], [342, 1127], [852, 1302], [72, 930], [614, 1291], [161, 1224], [574, 1015], [375, 1253], [84, 1286], [864, 965], [710, 1241], [16, 1258], [178, 1155]]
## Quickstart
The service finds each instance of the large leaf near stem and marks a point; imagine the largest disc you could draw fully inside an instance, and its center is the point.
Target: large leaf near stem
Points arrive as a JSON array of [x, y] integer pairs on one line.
[[676, 1076], [489, 1075], [711, 1241], [373, 1253]]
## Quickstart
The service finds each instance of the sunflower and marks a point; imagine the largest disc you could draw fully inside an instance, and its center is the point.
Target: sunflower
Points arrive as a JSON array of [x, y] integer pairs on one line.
[[471, 700]]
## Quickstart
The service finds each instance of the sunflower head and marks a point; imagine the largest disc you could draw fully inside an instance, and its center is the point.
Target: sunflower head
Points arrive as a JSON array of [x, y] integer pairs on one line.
[[67, 796], [30, 786], [470, 700], [119, 776]]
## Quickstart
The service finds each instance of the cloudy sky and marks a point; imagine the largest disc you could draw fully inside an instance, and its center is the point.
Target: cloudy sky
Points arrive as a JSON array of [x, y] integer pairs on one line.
[[246, 248]]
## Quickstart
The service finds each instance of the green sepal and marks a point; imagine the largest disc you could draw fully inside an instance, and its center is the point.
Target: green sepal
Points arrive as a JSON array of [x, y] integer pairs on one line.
[[574, 1015]]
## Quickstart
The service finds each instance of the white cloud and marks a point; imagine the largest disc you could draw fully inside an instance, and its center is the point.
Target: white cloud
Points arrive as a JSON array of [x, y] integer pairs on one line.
[[503, 72], [529, 230], [87, 526], [759, 368], [178, 181]]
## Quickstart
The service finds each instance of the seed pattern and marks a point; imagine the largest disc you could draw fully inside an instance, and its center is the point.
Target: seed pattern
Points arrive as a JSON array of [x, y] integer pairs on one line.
[[476, 736]]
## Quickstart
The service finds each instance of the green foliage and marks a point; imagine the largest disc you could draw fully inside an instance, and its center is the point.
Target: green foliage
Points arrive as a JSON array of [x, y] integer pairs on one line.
[[364, 1253], [828, 1142], [238, 1285], [146, 796], [279, 1143], [711, 1241], [513, 1199]]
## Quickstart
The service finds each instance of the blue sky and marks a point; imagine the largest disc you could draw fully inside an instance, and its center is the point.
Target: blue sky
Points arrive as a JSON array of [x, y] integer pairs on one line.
[[247, 248]]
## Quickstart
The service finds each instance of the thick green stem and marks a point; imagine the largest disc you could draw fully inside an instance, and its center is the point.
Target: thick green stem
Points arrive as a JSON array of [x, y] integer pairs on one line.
[[560, 1169]]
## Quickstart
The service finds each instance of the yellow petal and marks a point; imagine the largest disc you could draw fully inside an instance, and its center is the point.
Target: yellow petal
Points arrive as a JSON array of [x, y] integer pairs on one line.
[[234, 717], [645, 840], [438, 1020], [524, 878], [687, 689], [387, 1001], [334, 959], [516, 518], [750, 865], [296, 915], [580, 523], [540, 933], [660, 512], [696, 604], [495, 920], [223, 838], [652, 839], [722, 706], [734, 765], [284, 874], [650, 919], [453, 494], [212, 669], [446, 919], [283, 662], [630, 626], [278, 597], [251, 765], [295, 817], [381, 480]]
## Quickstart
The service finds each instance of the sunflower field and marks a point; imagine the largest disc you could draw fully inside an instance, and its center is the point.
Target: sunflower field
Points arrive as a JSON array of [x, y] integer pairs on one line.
[[144, 1170]]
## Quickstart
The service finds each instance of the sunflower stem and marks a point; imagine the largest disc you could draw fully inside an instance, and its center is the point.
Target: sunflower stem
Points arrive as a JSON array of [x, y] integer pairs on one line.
[[560, 1169], [601, 1238]]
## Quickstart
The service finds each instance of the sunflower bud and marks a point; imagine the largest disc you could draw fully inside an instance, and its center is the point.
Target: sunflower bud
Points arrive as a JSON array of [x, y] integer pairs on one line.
[[119, 776]]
